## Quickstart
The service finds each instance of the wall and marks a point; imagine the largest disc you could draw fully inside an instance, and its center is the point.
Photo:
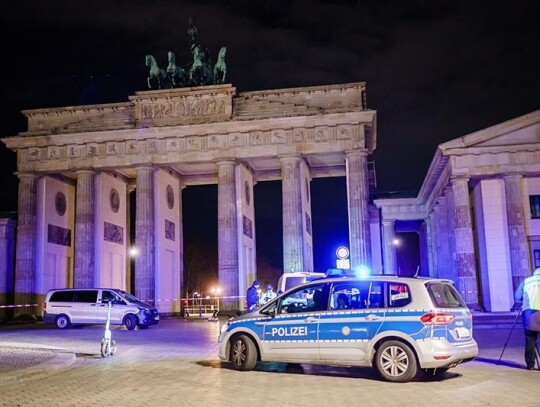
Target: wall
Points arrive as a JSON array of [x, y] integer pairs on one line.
[[55, 235], [111, 232]]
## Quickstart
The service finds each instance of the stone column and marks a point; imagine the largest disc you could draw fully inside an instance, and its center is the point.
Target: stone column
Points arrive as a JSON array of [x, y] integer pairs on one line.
[[144, 234], [517, 237], [293, 259], [465, 255], [450, 241], [358, 196], [83, 268], [431, 254], [423, 238], [25, 265], [228, 234], [389, 248]]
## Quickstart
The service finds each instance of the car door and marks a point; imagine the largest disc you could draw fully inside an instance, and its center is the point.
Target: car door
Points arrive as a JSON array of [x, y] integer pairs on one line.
[[345, 332], [85, 309], [118, 307], [292, 333]]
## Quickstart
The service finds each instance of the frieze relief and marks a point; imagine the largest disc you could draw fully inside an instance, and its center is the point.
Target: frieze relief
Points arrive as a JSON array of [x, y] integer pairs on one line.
[[183, 108], [92, 150], [256, 138], [133, 147], [53, 153], [115, 148], [236, 139], [34, 154], [74, 151], [216, 141], [278, 137]]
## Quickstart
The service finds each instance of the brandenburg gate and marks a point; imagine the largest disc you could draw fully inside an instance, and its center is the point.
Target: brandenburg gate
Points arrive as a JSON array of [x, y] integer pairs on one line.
[[78, 164]]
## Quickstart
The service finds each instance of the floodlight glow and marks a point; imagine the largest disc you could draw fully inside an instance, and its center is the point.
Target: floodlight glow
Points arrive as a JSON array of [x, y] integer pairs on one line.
[[133, 251], [396, 242]]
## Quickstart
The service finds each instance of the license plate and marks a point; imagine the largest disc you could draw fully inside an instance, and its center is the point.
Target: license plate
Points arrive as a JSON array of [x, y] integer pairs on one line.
[[463, 332]]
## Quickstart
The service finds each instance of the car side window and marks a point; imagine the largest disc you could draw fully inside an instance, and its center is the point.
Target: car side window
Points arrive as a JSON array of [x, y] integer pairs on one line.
[[399, 295], [86, 296], [349, 295], [304, 299]]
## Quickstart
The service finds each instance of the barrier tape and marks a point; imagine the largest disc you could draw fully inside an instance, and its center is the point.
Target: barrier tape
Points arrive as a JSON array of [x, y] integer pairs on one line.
[[189, 299], [19, 306]]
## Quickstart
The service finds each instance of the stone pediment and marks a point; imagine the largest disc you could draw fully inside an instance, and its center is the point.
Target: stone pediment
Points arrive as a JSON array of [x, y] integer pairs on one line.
[[524, 130]]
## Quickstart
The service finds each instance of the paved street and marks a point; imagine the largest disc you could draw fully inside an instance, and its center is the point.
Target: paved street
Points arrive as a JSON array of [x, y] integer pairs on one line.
[[176, 363]]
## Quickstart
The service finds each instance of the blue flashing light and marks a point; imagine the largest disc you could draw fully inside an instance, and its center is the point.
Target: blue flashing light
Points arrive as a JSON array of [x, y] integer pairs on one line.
[[363, 271]]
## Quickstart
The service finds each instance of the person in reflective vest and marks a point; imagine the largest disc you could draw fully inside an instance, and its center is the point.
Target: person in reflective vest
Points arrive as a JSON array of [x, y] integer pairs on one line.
[[252, 297], [268, 295], [528, 293]]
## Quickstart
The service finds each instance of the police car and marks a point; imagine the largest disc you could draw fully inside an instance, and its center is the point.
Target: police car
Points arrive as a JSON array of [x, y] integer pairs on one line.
[[400, 326]]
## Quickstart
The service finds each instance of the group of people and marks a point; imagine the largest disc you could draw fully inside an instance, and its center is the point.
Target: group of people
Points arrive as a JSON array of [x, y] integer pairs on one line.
[[255, 299]]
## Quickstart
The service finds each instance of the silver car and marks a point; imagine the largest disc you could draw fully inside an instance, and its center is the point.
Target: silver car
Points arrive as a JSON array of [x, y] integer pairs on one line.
[[400, 326]]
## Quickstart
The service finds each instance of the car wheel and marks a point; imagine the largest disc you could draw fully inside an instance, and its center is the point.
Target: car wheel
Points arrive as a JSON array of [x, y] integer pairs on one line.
[[62, 321], [243, 353], [396, 362], [130, 321]]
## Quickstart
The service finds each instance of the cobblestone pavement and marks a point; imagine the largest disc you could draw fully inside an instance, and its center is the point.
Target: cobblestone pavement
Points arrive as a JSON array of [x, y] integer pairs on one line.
[[176, 363]]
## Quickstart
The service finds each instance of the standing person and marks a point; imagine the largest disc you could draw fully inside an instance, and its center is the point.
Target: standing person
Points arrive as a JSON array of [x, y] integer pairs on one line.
[[252, 296], [268, 295], [528, 293]]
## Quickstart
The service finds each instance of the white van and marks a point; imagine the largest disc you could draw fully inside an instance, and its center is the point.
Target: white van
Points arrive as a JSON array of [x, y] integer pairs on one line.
[[74, 306], [291, 280]]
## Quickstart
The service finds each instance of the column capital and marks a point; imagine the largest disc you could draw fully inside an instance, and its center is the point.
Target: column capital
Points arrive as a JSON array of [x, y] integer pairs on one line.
[[289, 157], [85, 171], [361, 152], [21, 175], [459, 178], [145, 167], [388, 222], [226, 161], [509, 176]]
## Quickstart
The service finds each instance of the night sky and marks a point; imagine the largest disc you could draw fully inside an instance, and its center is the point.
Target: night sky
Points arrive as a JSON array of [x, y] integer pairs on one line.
[[435, 71]]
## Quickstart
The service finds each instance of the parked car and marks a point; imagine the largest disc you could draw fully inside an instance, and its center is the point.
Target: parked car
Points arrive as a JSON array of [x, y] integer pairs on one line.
[[291, 280], [399, 326], [77, 306]]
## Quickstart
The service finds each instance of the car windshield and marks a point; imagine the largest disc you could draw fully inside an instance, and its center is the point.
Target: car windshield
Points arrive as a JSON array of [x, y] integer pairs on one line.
[[444, 295], [129, 297]]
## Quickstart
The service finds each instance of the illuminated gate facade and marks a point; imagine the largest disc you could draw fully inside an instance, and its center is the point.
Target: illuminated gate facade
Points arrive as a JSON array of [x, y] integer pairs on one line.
[[77, 166]]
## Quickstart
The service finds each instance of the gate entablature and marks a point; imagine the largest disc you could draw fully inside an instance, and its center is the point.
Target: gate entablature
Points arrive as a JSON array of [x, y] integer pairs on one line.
[[190, 129]]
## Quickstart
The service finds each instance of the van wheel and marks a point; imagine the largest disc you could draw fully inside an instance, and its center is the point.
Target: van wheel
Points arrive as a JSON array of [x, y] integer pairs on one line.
[[396, 362], [130, 322], [62, 321], [243, 353]]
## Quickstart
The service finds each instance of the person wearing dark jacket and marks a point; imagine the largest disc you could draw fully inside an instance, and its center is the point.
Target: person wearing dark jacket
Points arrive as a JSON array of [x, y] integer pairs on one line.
[[252, 296]]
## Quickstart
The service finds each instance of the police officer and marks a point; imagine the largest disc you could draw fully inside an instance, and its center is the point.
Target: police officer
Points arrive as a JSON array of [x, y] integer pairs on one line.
[[252, 296], [528, 293], [268, 295]]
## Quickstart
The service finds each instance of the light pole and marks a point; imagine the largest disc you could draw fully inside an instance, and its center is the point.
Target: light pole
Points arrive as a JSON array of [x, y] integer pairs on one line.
[[396, 242]]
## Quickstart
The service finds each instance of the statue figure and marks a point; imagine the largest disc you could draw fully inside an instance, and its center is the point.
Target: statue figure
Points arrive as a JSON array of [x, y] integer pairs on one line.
[[157, 75], [201, 70], [178, 76], [220, 68]]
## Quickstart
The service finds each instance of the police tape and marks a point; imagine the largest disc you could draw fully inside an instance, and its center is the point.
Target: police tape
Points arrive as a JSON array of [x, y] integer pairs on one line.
[[187, 299], [19, 306]]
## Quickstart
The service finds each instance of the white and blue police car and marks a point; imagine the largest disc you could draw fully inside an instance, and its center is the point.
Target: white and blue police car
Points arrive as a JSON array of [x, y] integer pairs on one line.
[[400, 326]]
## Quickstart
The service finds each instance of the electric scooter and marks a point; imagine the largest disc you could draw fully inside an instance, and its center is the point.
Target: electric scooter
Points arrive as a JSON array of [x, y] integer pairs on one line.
[[108, 346]]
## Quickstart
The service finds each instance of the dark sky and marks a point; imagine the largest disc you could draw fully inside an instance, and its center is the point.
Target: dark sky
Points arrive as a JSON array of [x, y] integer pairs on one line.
[[435, 69]]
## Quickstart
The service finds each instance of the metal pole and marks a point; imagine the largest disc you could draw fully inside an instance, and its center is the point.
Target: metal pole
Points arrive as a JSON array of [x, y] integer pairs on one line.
[[510, 334]]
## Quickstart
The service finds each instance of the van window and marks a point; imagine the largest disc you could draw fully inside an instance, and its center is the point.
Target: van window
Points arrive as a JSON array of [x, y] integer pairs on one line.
[[61, 296], [86, 296]]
